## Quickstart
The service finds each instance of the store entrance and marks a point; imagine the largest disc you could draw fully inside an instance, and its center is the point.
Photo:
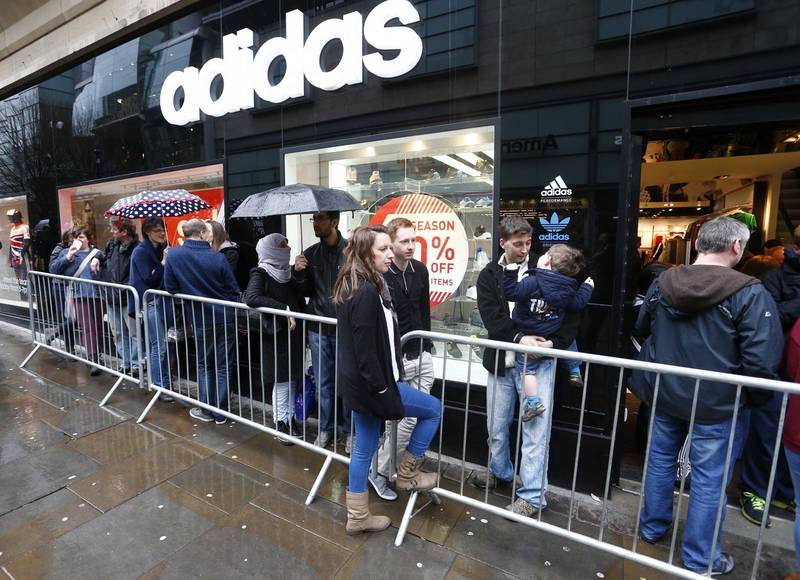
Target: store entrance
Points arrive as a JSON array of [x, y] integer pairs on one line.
[[689, 176]]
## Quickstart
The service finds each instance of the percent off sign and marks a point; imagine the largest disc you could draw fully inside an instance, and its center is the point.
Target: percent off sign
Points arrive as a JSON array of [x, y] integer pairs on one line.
[[441, 240]]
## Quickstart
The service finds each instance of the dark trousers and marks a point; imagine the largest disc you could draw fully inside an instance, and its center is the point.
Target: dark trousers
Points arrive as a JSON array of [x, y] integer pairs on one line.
[[758, 453]]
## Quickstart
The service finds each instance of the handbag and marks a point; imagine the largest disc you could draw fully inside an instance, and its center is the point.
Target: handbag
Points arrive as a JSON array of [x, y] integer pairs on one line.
[[305, 399], [69, 310]]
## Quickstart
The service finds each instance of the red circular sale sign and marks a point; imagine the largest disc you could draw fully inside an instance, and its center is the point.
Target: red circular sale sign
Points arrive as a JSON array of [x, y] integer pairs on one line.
[[441, 240]]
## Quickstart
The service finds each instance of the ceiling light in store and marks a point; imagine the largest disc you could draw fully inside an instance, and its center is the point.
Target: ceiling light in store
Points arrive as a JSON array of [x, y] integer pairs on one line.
[[792, 138], [472, 139], [370, 151], [447, 160], [417, 146], [469, 157], [489, 153]]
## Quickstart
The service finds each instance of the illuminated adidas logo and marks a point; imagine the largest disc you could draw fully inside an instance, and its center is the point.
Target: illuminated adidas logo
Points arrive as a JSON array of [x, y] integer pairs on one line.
[[554, 225], [556, 188]]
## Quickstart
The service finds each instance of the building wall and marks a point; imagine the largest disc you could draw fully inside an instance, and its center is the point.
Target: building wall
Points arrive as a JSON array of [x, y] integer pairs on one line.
[[63, 30]]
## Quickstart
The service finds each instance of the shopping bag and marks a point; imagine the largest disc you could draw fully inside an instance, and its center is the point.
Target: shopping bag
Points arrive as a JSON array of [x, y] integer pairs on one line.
[[305, 400]]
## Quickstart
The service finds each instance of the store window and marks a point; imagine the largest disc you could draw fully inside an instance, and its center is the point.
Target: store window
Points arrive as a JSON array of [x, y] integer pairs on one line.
[[444, 183], [15, 240], [86, 204]]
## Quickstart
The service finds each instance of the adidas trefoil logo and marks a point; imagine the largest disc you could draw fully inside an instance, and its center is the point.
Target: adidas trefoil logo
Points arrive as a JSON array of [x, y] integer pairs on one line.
[[556, 188], [554, 225]]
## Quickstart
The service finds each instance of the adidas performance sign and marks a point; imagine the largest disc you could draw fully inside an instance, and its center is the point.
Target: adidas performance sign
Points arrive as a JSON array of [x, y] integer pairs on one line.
[[557, 188]]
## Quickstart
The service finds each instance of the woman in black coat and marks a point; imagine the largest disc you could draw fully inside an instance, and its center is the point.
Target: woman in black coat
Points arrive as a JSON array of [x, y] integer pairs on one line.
[[369, 373], [271, 286]]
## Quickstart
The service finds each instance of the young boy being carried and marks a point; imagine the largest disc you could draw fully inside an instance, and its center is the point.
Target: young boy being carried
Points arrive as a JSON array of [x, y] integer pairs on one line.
[[542, 298]]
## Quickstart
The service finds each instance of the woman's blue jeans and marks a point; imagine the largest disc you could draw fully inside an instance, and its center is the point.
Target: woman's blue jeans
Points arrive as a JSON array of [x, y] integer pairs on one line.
[[368, 431]]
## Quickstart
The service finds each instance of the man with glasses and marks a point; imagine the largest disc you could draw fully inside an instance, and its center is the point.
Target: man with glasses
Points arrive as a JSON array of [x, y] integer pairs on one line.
[[316, 270]]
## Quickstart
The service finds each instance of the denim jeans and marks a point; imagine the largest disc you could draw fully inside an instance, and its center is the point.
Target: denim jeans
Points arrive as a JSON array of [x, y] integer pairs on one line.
[[216, 355], [283, 400], [793, 460], [418, 374], [709, 447], [758, 452], [323, 357], [159, 319], [124, 340], [501, 394], [571, 365], [368, 431]]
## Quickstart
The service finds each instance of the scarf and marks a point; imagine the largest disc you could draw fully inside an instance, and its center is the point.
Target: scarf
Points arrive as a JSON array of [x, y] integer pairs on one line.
[[273, 258]]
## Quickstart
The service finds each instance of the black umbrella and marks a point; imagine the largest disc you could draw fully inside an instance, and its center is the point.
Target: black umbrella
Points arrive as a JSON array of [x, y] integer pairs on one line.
[[295, 199]]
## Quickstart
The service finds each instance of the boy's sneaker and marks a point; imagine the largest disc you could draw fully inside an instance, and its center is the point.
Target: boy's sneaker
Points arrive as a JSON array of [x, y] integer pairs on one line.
[[753, 508], [220, 420], [576, 380], [782, 504], [201, 415], [381, 486], [529, 412]]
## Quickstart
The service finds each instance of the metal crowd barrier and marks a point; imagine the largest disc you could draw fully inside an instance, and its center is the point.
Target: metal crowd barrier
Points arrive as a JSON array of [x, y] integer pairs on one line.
[[68, 316], [189, 337], [697, 375]]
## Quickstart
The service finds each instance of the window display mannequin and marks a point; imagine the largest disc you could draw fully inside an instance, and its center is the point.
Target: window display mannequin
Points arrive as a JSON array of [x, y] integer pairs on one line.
[[19, 237]]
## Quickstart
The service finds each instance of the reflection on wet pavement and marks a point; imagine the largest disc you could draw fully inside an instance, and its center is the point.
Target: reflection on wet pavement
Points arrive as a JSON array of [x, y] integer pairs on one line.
[[85, 492]]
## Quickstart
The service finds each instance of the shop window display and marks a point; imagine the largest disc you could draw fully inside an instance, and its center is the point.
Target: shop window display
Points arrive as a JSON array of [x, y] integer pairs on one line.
[[87, 204], [444, 183], [15, 238]]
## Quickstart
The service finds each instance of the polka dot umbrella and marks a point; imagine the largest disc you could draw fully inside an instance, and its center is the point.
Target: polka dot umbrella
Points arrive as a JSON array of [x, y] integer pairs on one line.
[[170, 203]]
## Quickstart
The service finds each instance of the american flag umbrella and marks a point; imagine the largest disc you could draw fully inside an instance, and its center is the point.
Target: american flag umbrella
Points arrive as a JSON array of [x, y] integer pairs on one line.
[[170, 203]]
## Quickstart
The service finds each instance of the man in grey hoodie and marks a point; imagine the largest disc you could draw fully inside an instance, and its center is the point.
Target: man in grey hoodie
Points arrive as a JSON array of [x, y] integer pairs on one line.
[[711, 317]]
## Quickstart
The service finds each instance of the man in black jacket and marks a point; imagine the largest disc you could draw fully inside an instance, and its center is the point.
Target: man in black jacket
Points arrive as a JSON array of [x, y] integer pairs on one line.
[[115, 267], [316, 270], [705, 316], [504, 386], [783, 285]]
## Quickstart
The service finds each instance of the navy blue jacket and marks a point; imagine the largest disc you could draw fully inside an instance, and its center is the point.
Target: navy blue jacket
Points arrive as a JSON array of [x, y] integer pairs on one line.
[[543, 298], [195, 268], [706, 317], [146, 273]]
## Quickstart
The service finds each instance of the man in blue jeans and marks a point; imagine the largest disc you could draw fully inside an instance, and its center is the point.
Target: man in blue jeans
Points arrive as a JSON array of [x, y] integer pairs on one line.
[[195, 268], [316, 270], [504, 387], [705, 316]]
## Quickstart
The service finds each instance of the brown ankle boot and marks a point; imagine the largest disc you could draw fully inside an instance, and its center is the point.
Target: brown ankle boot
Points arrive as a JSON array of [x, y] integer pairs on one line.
[[410, 478], [358, 517]]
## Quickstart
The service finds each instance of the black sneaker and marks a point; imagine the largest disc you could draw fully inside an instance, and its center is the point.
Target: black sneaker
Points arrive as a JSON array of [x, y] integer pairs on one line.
[[484, 479], [283, 427], [783, 504], [753, 508]]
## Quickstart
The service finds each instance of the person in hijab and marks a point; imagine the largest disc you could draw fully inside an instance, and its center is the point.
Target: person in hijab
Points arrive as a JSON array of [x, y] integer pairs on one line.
[[271, 286]]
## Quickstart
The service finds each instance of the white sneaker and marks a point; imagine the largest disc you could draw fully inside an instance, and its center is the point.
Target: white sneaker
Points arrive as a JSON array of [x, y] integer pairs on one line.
[[323, 439], [348, 444], [381, 486]]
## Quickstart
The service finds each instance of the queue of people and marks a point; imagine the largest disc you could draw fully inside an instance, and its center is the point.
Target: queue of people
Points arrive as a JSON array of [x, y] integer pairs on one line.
[[378, 292]]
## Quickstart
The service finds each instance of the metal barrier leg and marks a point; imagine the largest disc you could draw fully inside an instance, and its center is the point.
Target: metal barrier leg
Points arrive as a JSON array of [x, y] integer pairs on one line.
[[111, 392], [317, 482], [30, 356], [401, 533], [149, 406]]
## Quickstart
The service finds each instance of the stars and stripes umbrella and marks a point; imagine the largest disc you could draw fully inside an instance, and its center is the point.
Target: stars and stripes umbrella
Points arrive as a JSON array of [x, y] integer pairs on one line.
[[169, 203]]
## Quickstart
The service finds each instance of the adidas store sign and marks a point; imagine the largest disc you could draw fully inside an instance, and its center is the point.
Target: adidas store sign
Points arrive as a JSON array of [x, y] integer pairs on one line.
[[245, 72], [554, 226], [557, 188]]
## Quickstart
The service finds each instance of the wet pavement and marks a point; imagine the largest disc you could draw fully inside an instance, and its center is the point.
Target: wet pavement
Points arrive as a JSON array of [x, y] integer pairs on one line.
[[85, 492]]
